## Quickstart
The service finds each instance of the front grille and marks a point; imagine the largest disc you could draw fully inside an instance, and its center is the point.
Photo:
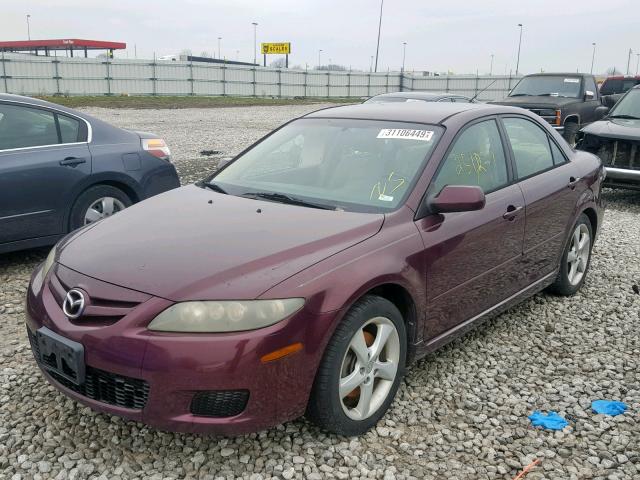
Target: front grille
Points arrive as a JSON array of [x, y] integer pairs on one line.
[[549, 118], [103, 386], [220, 403], [620, 154]]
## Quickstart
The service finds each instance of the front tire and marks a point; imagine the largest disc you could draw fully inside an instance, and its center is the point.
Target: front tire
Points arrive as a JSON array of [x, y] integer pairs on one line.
[[361, 370], [575, 258], [96, 203]]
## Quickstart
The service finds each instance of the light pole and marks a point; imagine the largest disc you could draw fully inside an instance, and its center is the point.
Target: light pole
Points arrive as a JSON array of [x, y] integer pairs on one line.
[[255, 45], [319, 52], [379, 28], [629, 60], [593, 56], [404, 55], [28, 28], [519, 45], [491, 67], [219, 56]]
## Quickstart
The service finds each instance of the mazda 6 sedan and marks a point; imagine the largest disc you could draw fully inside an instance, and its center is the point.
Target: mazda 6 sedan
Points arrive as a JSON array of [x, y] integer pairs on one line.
[[307, 273], [61, 169]]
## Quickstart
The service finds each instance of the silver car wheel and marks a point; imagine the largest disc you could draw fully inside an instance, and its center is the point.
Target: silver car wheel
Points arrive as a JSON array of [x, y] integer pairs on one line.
[[369, 368], [102, 208], [578, 256]]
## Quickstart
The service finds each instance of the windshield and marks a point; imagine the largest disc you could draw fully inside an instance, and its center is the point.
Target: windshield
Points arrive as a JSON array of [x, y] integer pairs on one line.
[[546, 85], [629, 105], [355, 165]]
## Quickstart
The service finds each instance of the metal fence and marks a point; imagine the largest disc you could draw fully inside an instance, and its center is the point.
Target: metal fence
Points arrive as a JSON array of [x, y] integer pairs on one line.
[[31, 75]]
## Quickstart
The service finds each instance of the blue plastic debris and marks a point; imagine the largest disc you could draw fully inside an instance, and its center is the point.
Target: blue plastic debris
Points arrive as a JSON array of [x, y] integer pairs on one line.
[[608, 407], [550, 421]]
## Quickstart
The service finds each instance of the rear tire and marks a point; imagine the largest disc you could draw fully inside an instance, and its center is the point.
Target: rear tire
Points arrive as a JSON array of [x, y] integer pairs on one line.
[[361, 370], [575, 258], [96, 203]]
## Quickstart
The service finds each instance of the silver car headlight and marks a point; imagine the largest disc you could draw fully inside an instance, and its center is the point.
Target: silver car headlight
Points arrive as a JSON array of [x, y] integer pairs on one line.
[[48, 263], [224, 316]]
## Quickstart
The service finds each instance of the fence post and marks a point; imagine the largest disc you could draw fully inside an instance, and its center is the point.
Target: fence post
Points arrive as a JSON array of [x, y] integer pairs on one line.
[[305, 82], [56, 74], [369, 85], [254, 82], [447, 87], [387, 87], [224, 79], [476, 88], [349, 84], [328, 83], [108, 77], [4, 73], [191, 80], [154, 91], [279, 83]]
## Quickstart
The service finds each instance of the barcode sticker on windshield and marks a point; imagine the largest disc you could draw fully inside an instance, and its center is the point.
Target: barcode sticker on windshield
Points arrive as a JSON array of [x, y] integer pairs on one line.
[[571, 80], [405, 133]]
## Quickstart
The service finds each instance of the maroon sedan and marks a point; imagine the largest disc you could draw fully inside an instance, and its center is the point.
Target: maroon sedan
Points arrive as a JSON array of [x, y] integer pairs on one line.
[[308, 272]]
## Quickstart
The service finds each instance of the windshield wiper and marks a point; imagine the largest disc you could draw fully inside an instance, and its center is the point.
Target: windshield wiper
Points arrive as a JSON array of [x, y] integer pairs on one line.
[[627, 117], [282, 198], [213, 186]]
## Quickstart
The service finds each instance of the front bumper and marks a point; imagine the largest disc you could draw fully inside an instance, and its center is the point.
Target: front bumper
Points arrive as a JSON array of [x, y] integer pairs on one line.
[[175, 368], [559, 128], [622, 174]]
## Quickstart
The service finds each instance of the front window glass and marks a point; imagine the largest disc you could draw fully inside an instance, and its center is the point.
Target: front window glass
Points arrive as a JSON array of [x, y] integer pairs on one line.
[[359, 165], [477, 158], [628, 106], [548, 85]]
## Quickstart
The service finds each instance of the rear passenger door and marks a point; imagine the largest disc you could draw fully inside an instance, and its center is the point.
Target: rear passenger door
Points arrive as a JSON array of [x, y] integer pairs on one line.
[[43, 156], [550, 190]]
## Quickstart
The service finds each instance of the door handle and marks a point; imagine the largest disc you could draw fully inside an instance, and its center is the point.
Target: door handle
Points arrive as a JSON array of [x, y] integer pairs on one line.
[[573, 181], [512, 212], [72, 161]]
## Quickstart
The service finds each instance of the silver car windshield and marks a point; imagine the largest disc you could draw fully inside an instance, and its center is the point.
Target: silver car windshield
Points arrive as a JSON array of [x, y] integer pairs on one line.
[[628, 106], [358, 165]]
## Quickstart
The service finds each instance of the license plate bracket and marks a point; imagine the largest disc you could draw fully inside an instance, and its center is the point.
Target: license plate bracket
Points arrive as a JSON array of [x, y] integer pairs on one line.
[[61, 356]]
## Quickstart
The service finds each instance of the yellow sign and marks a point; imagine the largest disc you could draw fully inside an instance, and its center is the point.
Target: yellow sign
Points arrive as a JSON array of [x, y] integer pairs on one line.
[[276, 48]]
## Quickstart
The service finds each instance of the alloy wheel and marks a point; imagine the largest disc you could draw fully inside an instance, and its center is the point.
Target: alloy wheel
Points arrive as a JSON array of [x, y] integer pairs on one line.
[[578, 255], [369, 368], [102, 208]]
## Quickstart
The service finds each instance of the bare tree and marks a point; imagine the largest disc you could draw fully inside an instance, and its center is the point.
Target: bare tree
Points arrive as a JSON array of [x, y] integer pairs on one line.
[[278, 63]]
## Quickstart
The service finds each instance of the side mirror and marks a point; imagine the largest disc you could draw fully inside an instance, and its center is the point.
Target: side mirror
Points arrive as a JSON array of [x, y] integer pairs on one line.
[[601, 112], [457, 198], [223, 162], [589, 95]]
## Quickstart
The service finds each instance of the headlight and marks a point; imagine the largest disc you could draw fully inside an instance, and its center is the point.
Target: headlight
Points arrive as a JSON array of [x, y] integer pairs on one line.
[[224, 316], [48, 263]]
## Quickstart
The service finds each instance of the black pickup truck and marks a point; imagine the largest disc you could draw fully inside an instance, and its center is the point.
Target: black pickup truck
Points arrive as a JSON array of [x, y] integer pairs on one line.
[[568, 101]]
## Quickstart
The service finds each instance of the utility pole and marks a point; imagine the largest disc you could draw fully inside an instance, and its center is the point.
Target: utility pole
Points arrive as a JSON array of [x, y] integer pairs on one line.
[[379, 28], [404, 54], [28, 28], [519, 45], [255, 45], [219, 55], [593, 56], [629, 60], [491, 67]]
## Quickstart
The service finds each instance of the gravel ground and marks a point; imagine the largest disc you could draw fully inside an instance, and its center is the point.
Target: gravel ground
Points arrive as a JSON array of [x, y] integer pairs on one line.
[[461, 414]]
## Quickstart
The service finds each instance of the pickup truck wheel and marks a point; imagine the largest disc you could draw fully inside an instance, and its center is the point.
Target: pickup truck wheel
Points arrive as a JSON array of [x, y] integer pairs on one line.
[[570, 131]]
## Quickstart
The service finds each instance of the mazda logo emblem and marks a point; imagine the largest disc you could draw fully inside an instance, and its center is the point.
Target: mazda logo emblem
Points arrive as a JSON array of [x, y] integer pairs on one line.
[[73, 304]]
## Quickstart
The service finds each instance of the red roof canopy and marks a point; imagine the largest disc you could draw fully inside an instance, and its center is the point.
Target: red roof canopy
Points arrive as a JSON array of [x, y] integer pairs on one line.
[[62, 44]]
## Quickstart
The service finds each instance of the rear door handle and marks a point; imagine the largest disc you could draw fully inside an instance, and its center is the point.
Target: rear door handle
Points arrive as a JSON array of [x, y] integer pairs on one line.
[[72, 161], [512, 212], [573, 181]]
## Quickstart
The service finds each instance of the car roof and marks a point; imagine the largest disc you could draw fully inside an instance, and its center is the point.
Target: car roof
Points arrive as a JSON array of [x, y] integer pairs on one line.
[[558, 74], [419, 95], [623, 77], [433, 113], [9, 97]]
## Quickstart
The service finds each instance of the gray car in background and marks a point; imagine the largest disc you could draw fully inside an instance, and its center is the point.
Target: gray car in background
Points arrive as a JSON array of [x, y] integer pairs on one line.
[[61, 169], [396, 97]]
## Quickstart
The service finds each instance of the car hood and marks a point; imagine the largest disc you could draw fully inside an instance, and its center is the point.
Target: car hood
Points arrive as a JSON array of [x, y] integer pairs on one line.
[[536, 101], [625, 129], [194, 244]]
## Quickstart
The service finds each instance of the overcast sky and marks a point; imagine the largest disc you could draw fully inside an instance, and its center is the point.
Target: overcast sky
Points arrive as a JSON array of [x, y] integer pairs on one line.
[[454, 35]]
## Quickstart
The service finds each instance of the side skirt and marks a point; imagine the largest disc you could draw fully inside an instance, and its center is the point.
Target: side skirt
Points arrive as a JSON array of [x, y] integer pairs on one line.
[[462, 328]]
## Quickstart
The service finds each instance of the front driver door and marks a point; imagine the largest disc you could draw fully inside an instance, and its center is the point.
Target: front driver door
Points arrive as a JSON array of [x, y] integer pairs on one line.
[[472, 257], [43, 155]]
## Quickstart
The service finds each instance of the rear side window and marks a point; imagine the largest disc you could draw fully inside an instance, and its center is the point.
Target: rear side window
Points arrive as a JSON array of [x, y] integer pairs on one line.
[[26, 127], [558, 156], [530, 145], [611, 86], [477, 158], [69, 129]]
